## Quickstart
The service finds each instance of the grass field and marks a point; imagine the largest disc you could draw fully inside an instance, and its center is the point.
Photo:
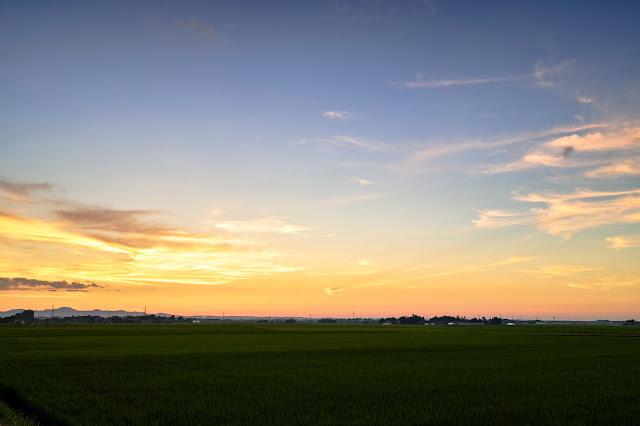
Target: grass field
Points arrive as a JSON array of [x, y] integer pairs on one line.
[[339, 374]]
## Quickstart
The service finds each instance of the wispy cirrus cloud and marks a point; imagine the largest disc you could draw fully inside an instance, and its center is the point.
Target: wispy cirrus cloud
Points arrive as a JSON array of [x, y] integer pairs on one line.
[[547, 75], [558, 270], [170, 257], [543, 75], [21, 191], [619, 168], [337, 115], [561, 152], [620, 242], [363, 182], [482, 266], [330, 291], [350, 142], [88, 243], [380, 278], [606, 284], [538, 159], [430, 152], [566, 214], [500, 218], [17, 228], [269, 224], [34, 284], [342, 201], [421, 83], [108, 219], [625, 138]]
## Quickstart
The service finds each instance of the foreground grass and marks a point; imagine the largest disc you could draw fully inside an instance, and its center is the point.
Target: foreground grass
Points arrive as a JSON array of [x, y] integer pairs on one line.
[[202, 374], [9, 417]]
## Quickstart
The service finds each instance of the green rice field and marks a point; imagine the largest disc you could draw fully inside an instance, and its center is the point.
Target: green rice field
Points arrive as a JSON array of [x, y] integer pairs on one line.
[[188, 374]]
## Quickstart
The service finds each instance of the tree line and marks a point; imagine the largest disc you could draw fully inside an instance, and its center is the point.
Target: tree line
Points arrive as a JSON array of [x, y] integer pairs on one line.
[[445, 319]]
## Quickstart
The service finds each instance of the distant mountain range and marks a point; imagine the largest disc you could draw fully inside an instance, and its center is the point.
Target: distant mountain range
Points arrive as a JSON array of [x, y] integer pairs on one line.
[[69, 312]]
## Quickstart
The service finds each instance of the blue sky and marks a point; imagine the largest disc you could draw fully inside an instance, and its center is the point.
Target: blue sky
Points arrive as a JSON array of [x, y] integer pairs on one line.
[[388, 136]]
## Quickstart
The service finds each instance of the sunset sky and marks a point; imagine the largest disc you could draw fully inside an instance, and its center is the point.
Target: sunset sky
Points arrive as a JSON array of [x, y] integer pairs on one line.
[[321, 157]]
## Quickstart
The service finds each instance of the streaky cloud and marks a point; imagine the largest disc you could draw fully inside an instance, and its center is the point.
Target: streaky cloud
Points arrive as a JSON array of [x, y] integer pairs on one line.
[[620, 168], [438, 151], [605, 284], [544, 75], [557, 152], [342, 201], [31, 284], [122, 247], [559, 270], [419, 83], [337, 115], [566, 214], [625, 138], [21, 191], [107, 219], [363, 182], [351, 142], [620, 242], [476, 267], [270, 224]]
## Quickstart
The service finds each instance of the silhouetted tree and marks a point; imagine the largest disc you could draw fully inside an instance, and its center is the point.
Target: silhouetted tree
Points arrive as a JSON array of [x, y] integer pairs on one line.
[[495, 321], [413, 319], [27, 316]]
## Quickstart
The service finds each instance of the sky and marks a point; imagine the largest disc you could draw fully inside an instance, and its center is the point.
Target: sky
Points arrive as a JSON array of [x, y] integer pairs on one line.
[[325, 158]]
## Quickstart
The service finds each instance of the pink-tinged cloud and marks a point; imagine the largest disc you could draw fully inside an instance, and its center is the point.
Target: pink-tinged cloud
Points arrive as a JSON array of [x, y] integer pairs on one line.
[[431, 152], [566, 214], [364, 182], [560, 153], [627, 138], [621, 242], [619, 168]]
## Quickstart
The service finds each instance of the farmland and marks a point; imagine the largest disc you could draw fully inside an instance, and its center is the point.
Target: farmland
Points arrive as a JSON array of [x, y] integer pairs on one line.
[[276, 373]]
